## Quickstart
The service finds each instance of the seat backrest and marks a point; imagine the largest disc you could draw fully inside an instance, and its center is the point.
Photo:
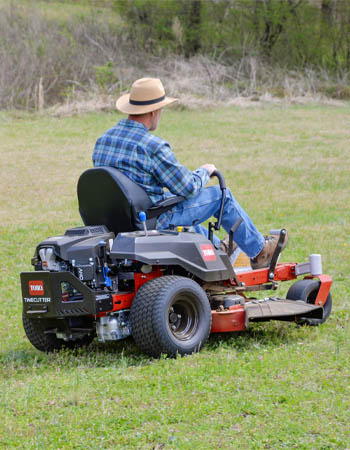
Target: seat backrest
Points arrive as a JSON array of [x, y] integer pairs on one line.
[[108, 197]]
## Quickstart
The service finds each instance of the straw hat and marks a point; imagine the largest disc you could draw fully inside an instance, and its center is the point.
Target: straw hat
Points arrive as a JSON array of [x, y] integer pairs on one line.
[[147, 94]]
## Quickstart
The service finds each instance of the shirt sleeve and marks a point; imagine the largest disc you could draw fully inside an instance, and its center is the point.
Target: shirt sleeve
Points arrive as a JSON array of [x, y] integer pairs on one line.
[[176, 177]]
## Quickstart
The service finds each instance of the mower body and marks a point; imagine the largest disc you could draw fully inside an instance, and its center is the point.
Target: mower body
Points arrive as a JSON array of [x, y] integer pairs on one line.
[[85, 282], [167, 289]]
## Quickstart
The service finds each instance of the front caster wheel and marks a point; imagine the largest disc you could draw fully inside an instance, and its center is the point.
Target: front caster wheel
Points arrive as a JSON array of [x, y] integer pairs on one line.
[[170, 315], [307, 291]]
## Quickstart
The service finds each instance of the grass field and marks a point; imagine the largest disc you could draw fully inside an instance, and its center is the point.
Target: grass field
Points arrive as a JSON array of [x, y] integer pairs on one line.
[[275, 386], [62, 10]]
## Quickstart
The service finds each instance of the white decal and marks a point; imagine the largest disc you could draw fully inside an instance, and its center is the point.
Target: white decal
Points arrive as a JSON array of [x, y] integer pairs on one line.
[[37, 300], [102, 297], [36, 287]]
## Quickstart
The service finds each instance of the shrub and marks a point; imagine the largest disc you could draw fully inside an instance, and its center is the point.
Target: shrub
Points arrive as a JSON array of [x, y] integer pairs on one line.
[[78, 52]]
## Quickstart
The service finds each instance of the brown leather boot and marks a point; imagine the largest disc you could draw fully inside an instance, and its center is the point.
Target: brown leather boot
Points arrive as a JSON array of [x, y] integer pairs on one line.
[[264, 257], [224, 244]]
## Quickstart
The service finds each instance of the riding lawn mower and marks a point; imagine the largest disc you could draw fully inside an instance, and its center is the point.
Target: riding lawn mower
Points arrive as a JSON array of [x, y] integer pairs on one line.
[[118, 276]]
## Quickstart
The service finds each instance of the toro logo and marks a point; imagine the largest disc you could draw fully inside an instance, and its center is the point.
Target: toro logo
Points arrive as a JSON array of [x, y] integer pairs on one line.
[[208, 252], [36, 287]]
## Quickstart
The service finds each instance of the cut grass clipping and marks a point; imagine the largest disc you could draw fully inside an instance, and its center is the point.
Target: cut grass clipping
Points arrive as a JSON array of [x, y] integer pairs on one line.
[[276, 385]]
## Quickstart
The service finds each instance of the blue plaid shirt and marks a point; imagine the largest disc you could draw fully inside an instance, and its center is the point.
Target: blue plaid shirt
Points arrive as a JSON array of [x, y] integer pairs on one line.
[[149, 162]]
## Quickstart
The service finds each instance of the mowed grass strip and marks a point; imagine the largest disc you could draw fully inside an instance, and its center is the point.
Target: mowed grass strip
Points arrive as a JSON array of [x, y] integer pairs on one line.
[[276, 385]]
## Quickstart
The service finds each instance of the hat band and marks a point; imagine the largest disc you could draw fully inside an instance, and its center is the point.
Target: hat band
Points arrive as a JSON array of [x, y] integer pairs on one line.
[[146, 102]]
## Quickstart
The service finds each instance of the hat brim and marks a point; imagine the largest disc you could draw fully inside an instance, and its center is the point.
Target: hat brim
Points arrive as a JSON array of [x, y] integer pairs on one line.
[[124, 105]]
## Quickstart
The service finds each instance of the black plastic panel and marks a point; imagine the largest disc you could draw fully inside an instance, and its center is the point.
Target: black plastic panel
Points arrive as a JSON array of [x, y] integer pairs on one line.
[[48, 302], [186, 250]]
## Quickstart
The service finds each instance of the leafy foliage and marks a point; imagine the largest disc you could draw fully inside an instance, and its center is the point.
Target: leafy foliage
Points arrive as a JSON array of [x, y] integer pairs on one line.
[[289, 32]]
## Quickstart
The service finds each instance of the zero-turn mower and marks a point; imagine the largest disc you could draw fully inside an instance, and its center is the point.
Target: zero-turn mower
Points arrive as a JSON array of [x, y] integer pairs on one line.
[[117, 276]]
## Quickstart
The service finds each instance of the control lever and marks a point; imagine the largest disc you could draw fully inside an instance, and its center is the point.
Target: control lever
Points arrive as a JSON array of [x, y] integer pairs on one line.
[[217, 225], [282, 236], [142, 217]]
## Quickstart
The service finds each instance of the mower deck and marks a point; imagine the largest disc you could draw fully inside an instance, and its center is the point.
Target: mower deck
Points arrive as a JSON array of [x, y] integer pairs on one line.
[[238, 317]]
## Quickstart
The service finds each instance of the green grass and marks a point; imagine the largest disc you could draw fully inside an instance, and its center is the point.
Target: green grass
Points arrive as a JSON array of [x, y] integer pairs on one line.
[[275, 386], [61, 10]]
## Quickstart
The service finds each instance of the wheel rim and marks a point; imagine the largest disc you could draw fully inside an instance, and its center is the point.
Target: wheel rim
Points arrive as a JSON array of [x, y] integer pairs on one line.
[[183, 318]]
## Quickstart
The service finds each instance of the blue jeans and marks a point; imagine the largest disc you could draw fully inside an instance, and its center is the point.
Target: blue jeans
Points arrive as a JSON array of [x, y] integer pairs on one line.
[[194, 211]]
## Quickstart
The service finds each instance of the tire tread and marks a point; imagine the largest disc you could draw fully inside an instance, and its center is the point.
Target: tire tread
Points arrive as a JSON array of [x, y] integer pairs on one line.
[[40, 340], [301, 289], [49, 342], [145, 315]]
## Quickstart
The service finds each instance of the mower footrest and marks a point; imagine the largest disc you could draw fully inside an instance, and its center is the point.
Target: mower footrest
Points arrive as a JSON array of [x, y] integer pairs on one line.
[[280, 309]]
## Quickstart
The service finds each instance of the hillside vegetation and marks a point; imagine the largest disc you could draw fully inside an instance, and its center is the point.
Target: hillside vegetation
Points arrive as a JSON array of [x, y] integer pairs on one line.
[[55, 51]]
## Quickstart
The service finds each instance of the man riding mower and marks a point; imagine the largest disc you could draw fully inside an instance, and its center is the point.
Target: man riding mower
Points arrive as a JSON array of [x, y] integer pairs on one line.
[[132, 271]]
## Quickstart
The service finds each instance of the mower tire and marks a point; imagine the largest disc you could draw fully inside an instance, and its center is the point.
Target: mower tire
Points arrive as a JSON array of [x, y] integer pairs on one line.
[[307, 291], [49, 342], [170, 315]]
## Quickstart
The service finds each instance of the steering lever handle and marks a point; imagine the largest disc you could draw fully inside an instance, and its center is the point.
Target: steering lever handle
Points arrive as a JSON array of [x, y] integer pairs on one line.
[[221, 179], [222, 184]]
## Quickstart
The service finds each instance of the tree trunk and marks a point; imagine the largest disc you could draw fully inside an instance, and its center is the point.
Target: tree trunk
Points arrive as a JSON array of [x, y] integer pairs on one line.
[[192, 28]]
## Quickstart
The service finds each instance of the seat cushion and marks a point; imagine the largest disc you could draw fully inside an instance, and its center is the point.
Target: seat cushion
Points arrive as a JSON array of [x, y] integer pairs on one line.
[[108, 197]]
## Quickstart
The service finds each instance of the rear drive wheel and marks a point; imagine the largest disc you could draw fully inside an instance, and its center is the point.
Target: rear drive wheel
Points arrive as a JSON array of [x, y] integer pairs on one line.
[[48, 342], [170, 315], [307, 291]]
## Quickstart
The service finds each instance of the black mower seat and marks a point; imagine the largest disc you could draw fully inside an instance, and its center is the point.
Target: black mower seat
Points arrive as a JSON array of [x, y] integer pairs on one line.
[[108, 197]]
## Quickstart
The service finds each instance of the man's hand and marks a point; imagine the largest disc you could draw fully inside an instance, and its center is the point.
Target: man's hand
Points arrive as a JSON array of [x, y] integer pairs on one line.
[[209, 168]]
